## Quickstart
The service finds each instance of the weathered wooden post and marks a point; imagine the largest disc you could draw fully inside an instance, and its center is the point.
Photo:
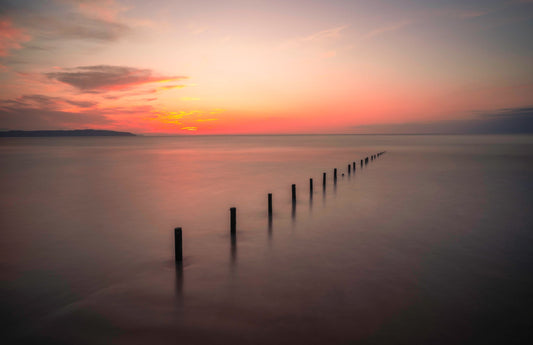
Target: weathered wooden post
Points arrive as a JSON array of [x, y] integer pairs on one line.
[[353, 167], [178, 249], [361, 163], [233, 220], [323, 180], [349, 168], [294, 194], [311, 186], [335, 175], [269, 205]]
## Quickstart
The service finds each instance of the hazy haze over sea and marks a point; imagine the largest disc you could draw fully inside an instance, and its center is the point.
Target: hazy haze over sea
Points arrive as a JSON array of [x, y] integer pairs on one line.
[[429, 244]]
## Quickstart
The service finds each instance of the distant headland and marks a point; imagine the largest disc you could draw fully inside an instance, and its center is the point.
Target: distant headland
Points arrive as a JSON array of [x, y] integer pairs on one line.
[[66, 133]]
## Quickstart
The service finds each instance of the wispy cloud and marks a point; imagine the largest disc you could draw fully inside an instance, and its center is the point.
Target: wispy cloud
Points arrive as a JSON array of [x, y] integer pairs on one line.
[[170, 87], [68, 19], [103, 9], [106, 77], [32, 119], [387, 28], [43, 102], [502, 121], [185, 120], [325, 34], [10, 37], [197, 29], [79, 27], [316, 37]]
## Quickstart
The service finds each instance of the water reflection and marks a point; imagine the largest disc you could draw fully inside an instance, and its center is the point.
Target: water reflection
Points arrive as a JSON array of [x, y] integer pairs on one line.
[[269, 226], [233, 252], [293, 210], [179, 281]]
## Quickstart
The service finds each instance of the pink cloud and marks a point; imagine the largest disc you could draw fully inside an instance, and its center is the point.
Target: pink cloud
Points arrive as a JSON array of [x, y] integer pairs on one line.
[[106, 77], [10, 37]]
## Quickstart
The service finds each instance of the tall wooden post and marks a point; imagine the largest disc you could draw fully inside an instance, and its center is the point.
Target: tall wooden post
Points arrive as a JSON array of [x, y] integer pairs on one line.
[[294, 194], [270, 205], [233, 220], [178, 248]]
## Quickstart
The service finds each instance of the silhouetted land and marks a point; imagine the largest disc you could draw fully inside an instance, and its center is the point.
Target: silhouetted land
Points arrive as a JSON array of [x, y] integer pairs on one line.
[[67, 133]]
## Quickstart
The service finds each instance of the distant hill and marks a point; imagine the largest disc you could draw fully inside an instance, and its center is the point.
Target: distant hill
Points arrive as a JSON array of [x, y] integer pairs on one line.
[[66, 133]]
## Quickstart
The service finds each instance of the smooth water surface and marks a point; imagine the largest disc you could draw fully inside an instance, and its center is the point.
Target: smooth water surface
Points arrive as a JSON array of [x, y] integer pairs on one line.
[[431, 243]]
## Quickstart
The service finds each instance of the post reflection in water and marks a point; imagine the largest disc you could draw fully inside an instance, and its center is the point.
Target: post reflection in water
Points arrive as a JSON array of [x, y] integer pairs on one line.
[[233, 249], [179, 281], [293, 210], [270, 227]]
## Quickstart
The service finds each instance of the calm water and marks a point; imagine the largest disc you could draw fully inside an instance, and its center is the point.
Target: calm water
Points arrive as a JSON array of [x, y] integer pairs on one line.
[[432, 243]]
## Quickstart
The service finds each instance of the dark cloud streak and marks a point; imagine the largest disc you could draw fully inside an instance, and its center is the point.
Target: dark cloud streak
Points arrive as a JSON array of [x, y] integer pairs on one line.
[[504, 121], [76, 26], [35, 119], [90, 78], [49, 20], [42, 102]]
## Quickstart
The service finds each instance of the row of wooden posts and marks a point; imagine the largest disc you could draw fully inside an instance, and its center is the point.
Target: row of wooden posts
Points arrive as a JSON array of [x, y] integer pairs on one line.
[[178, 239]]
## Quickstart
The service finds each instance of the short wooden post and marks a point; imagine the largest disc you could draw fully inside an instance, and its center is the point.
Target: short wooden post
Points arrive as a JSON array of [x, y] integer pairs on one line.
[[178, 249], [324, 180], [353, 167], [310, 186], [335, 175], [233, 220], [361, 163], [270, 205], [293, 193], [349, 168]]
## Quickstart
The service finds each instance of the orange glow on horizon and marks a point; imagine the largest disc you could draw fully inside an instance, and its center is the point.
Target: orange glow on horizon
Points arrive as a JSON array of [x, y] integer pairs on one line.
[[336, 68]]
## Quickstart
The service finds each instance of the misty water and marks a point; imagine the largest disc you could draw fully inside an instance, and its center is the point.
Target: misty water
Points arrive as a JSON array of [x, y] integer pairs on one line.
[[431, 243]]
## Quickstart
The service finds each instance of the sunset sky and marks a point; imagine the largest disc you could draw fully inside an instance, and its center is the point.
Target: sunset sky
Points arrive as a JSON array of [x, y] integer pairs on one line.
[[251, 66]]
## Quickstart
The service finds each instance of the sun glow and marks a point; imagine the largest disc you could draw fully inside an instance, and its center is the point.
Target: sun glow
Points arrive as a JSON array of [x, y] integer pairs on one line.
[[331, 69]]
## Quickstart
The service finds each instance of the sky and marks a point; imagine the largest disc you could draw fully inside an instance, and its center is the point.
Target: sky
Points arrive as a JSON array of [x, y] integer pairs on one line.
[[267, 67]]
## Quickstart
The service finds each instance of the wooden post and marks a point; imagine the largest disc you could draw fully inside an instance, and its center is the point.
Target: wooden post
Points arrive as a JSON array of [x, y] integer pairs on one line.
[[178, 249], [324, 180], [294, 194], [335, 175], [311, 186], [269, 205], [353, 167], [233, 220], [361, 163], [349, 167]]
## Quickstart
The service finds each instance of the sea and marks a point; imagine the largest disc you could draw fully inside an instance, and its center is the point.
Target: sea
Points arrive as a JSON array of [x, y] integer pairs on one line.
[[431, 242]]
